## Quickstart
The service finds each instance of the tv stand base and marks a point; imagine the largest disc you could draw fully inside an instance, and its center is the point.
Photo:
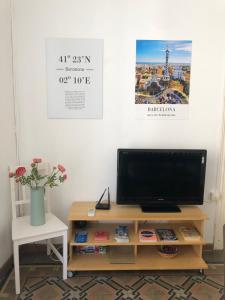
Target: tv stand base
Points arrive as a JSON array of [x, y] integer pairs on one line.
[[160, 208], [135, 254]]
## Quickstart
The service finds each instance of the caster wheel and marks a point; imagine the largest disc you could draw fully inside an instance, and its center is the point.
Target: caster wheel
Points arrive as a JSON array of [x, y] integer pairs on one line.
[[70, 274], [201, 272]]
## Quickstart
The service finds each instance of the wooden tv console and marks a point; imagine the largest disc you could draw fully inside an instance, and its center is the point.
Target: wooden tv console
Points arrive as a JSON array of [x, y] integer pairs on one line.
[[146, 255]]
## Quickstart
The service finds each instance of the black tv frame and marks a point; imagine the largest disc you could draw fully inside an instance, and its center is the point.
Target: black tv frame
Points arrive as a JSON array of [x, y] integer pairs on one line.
[[159, 204]]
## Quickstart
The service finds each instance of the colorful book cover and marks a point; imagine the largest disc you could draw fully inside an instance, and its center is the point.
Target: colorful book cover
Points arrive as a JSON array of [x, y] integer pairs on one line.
[[91, 249], [147, 235], [101, 236], [166, 234], [81, 236], [121, 234], [189, 233]]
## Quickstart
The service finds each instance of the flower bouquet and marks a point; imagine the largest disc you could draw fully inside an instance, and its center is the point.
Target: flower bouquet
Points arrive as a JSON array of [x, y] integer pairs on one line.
[[37, 181]]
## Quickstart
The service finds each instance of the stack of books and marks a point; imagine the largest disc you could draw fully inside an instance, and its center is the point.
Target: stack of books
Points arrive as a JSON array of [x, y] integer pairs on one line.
[[101, 236], [147, 235], [189, 233], [121, 234], [166, 234], [91, 249]]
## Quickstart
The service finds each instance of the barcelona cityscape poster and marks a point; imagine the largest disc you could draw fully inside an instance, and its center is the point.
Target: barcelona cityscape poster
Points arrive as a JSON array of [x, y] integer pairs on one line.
[[162, 85]]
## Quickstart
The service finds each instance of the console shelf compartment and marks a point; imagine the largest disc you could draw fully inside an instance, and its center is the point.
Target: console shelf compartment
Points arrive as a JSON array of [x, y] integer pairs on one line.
[[92, 227], [147, 258]]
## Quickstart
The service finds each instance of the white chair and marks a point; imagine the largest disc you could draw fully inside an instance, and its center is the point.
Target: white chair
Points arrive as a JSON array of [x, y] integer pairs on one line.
[[23, 232]]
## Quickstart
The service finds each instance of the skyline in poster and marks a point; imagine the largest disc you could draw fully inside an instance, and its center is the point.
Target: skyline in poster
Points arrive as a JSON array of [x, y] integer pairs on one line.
[[163, 69], [153, 51]]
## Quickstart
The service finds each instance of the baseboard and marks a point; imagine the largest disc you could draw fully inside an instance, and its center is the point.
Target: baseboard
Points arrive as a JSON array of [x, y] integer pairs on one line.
[[34, 248], [5, 270], [208, 247]]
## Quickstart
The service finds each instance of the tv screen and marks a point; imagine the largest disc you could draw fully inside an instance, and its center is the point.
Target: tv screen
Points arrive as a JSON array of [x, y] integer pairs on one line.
[[160, 179]]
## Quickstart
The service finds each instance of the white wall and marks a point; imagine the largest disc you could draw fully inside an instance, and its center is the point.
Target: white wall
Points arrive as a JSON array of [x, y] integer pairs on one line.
[[7, 148], [88, 147]]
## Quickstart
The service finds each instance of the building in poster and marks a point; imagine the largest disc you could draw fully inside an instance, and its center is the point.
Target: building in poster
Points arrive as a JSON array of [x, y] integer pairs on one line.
[[162, 78]]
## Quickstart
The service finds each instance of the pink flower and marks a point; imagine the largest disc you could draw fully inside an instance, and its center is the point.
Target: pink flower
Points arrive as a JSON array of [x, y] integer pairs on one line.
[[61, 168], [20, 171], [64, 177], [37, 160], [11, 174]]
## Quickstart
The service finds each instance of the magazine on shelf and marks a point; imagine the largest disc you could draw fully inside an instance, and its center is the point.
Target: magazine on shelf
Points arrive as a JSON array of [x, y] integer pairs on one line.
[[189, 233], [101, 236], [121, 234], [166, 234], [81, 236], [147, 235]]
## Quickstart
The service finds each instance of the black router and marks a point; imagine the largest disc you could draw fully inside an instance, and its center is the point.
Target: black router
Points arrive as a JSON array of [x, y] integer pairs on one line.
[[100, 205]]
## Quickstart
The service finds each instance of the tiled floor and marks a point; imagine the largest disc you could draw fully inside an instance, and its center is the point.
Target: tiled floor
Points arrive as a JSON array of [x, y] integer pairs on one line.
[[41, 279], [45, 283]]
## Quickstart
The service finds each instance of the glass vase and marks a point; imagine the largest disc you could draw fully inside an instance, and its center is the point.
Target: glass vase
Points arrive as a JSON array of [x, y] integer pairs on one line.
[[37, 206]]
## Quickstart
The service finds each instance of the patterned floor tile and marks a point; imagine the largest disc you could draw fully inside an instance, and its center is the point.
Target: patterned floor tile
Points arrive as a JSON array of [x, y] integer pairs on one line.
[[45, 283]]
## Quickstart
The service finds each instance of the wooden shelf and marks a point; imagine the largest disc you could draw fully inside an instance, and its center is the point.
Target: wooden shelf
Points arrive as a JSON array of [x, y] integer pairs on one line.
[[79, 211], [148, 258]]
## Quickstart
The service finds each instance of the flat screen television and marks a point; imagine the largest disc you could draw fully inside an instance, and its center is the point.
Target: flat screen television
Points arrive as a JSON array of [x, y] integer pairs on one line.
[[160, 179]]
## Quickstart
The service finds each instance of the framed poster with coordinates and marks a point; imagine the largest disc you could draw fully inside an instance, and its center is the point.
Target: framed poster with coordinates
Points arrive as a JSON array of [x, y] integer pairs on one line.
[[74, 78]]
